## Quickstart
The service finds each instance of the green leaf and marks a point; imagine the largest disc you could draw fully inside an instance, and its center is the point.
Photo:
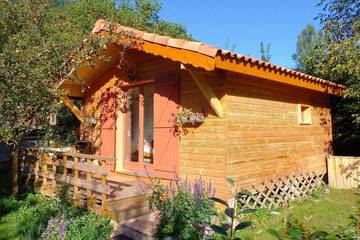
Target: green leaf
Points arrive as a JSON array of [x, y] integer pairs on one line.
[[243, 193], [218, 200], [274, 233], [218, 229], [225, 226], [230, 181], [243, 225], [230, 212], [319, 234], [295, 233], [247, 211]]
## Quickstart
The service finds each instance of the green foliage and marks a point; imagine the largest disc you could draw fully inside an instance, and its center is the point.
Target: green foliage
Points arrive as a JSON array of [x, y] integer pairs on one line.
[[265, 52], [36, 217], [33, 215], [305, 47], [231, 223], [182, 212], [333, 54], [42, 44], [89, 227], [7, 204]]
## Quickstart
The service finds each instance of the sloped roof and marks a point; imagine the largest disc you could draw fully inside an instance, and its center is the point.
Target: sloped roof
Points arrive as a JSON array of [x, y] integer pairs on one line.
[[218, 54]]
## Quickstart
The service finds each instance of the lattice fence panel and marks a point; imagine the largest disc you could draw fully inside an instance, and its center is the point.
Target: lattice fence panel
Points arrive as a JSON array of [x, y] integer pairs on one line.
[[278, 192]]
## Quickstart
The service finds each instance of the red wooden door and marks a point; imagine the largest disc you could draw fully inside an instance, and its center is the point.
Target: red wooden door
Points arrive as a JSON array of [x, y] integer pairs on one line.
[[108, 125], [166, 143]]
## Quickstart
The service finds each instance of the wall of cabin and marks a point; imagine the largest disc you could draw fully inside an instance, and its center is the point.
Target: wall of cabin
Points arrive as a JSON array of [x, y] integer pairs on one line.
[[264, 137], [203, 149]]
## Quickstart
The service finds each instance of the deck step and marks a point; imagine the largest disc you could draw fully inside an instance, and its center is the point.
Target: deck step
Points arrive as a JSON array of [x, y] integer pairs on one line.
[[128, 208], [142, 228]]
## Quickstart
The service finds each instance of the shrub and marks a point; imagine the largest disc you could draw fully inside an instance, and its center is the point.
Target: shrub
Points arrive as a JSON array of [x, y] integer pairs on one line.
[[89, 227], [231, 220], [7, 205], [33, 216], [183, 209]]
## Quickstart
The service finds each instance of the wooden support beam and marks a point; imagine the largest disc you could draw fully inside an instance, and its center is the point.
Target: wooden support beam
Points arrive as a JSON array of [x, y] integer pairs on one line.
[[206, 91], [73, 108]]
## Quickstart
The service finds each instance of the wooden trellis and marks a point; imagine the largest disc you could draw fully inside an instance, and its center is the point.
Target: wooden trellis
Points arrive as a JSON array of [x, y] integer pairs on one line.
[[278, 192], [84, 174]]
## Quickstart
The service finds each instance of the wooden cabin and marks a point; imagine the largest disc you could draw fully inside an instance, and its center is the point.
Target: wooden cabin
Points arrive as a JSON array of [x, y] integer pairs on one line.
[[239, 116]]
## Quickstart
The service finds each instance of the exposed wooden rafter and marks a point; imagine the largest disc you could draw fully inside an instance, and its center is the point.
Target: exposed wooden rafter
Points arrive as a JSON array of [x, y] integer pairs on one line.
[[73, 108], [206, 90]]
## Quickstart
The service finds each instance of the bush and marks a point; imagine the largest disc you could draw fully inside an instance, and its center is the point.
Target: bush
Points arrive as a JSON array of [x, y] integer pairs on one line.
[[89, 227], [33, 216], [183, 209], [7, 205], [40, 217]]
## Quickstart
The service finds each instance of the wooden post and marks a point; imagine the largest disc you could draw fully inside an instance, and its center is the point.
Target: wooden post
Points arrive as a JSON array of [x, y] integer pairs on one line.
[[36, 171], [88, 191], [103, 181], [76, 175], [44, 172], [65, 169], [54, 170]]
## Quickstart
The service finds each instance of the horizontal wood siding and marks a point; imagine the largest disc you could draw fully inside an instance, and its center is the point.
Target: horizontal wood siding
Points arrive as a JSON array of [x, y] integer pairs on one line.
[[203, 148], [264, 137]]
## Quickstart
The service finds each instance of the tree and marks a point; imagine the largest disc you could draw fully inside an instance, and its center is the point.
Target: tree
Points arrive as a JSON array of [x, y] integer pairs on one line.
[[305, 47], [265, 52], [336, 58], [42, 43]]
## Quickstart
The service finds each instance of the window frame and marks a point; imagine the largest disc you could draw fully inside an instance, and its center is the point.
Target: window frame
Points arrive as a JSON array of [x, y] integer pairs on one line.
[[304, 116]]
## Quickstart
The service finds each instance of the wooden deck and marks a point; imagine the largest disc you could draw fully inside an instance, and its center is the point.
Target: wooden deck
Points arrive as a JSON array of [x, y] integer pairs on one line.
[[90, 183], [128, 197]]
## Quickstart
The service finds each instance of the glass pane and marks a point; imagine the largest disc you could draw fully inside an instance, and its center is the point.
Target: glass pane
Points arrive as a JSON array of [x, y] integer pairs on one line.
[[134, 108], [149, 124]]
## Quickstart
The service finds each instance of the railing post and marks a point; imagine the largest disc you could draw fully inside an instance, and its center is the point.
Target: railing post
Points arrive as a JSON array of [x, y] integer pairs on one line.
[[44, 173], [76, 175], [88, 191], [54, 170], [103, 181], [37, 169]]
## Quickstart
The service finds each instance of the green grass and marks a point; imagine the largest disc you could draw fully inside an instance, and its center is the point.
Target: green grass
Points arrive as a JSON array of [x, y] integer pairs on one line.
[[325, 210], [7, 227]]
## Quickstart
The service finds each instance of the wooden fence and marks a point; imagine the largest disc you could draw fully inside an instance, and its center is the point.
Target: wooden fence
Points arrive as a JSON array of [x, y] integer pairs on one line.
[[85, 176], [342, 171]]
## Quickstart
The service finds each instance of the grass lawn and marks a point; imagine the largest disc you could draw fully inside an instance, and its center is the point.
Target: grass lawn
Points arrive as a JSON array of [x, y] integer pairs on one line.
[[325, 210]]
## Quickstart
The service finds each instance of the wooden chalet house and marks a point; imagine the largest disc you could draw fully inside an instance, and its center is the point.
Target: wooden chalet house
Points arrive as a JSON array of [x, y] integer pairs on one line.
[[240, 117]]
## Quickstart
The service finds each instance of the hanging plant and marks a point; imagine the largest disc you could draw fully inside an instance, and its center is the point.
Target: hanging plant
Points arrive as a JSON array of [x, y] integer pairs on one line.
[[185, 116]]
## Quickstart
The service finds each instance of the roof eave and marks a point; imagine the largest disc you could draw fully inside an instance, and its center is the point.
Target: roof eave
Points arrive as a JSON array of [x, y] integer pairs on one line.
[[274, 73]]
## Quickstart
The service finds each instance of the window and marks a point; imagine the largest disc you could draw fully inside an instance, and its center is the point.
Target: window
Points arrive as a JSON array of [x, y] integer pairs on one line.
[[140, 130], [304, 114]]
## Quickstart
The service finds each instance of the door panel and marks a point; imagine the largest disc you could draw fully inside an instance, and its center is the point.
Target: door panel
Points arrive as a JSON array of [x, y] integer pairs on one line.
[[108, 123], [166, 143]]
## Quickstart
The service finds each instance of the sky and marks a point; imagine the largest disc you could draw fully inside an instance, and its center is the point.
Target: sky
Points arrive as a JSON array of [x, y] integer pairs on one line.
[[244, 24]]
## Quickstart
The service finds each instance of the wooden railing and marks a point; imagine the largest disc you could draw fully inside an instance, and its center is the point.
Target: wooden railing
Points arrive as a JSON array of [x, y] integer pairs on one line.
[[84, 175]]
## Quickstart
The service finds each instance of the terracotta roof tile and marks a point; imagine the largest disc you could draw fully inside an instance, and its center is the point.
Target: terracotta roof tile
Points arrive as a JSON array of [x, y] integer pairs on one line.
[[149, 37], [176, 43], [192, 46], [211, 51], [161, 40]]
